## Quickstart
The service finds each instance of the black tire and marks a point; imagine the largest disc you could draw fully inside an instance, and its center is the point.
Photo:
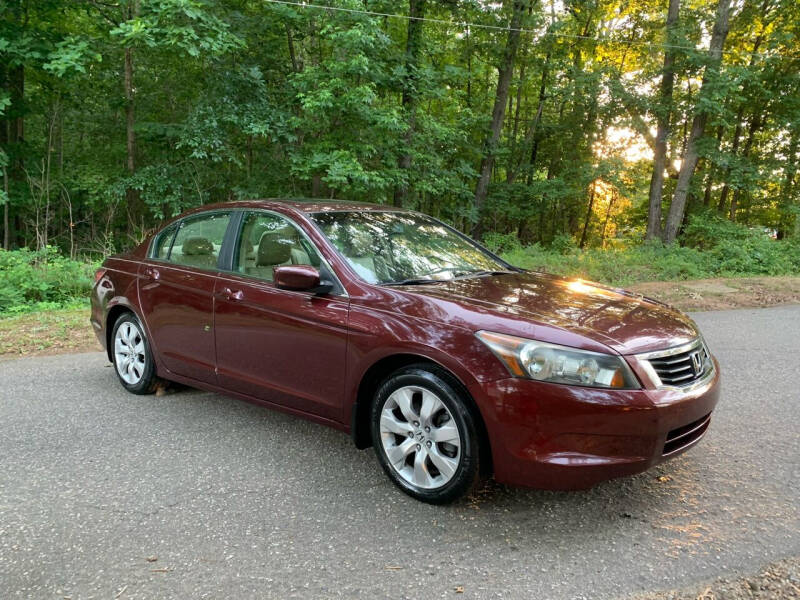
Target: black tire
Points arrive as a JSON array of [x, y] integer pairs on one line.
[[146, 383], [467, 476]]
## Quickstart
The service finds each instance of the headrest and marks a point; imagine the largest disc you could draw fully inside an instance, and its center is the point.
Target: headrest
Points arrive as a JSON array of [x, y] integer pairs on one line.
[[197, 246], [361, 243], [275, 247]]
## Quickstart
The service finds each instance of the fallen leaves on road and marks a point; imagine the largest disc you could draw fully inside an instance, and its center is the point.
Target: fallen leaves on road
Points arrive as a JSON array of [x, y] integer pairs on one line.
[[708, 594]]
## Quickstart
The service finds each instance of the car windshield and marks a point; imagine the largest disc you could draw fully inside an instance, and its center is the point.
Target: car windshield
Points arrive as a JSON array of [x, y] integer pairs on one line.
[[399, 247]]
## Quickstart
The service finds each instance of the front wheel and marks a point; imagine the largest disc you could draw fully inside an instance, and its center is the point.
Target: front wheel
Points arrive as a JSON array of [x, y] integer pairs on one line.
[[425, 435], [133, 359]]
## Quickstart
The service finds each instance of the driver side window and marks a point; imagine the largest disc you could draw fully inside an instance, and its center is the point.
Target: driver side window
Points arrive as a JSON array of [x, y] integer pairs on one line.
[[269, 240]]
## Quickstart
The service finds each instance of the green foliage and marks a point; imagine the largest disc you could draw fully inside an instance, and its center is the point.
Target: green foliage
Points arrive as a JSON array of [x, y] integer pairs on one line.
[[716, 248], [501, 243], [70, 55], [41, 280], [231, 99], [188, 25]]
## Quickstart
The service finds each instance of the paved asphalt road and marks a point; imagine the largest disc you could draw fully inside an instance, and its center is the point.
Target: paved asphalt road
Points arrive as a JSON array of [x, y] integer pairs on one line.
[[236, 501]]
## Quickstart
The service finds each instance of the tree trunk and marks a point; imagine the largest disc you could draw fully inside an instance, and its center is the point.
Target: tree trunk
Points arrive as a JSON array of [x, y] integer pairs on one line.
[[608, 217], [530, 134], [723, 199], [292, 55], [737, 135], [588, 217], [755, 125], [4, 134], [131, 195], [416, 12], [498, 113], [316, 185], [712, 169], [469, 70], [12, 127], [6, 230], [691, 155], [662, 134], [787, 188], [15, 139]]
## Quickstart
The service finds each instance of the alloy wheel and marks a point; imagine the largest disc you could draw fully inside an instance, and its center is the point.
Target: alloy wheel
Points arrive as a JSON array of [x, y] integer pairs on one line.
[[129, 353], [420, 437]]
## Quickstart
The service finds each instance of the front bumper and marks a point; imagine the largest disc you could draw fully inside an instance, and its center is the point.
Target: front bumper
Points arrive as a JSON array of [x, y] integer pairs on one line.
[[559, 437]]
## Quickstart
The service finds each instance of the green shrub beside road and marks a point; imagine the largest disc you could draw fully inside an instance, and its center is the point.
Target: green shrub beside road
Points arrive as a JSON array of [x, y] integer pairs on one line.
[[42, 280], [712, 248]]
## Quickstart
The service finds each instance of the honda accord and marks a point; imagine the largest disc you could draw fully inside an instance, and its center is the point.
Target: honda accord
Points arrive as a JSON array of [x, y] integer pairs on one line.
[[396, 328]]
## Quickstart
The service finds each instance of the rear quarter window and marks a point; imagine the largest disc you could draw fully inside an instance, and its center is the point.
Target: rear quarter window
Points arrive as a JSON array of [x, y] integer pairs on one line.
[[163, 242]]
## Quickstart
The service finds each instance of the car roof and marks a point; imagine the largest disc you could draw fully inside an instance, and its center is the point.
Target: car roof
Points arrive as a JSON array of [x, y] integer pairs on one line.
[[306, 205]]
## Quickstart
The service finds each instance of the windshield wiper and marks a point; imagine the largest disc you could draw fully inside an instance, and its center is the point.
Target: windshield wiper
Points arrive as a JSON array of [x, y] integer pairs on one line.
[[456, 276], [480, 273], [412, 281]]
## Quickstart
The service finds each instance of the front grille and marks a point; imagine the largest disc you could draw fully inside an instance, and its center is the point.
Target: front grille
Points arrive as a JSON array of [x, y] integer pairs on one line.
[[685, 436], [683, 368]]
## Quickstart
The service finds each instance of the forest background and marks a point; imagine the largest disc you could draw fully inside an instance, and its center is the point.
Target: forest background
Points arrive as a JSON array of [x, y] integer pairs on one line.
[[619, 140]]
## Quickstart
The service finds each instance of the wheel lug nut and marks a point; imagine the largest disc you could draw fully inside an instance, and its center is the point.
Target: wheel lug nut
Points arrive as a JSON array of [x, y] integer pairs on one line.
[[428, 444], [410, 434], [427, 430], [416, 423], [418, 446]]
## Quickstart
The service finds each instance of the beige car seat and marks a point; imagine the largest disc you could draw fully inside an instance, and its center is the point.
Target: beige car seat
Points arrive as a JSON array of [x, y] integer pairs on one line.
[[274, 250], [361, 255], [198, 252]]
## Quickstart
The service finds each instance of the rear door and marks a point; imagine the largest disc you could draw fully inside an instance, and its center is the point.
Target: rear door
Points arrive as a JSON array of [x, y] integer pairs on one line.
[[176, 293], [281, 346]]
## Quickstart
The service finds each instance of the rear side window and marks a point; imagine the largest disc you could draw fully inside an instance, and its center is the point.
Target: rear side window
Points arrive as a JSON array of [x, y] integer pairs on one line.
[[199, 239], [164, 242]]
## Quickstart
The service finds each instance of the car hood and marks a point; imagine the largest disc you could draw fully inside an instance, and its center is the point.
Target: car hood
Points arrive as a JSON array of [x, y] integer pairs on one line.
[[626, 322]]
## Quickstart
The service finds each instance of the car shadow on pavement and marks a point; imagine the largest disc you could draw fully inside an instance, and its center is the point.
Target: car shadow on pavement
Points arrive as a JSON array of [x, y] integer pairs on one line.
[[349, 482]]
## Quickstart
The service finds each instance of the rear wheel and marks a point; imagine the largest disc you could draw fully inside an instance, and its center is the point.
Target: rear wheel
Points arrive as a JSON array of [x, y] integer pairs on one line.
[[425, 436], [133, 359]]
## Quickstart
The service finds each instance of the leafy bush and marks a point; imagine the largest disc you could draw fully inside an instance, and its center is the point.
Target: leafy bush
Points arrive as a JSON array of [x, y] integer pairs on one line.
[[563, 244], [502, 242], [712, 248], [42, 280], [738, 250]]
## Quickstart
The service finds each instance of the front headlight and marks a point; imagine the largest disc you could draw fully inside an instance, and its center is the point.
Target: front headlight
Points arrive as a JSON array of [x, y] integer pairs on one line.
[[559, 364]]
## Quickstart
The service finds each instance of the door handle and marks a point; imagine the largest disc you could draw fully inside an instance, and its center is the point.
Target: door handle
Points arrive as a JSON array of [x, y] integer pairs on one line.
[[228, 294], [152, 273]]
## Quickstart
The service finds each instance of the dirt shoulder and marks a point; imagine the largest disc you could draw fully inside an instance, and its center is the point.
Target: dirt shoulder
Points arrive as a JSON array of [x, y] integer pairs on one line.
[[723, 294], [777, 581], [68, 330], [50, 332]]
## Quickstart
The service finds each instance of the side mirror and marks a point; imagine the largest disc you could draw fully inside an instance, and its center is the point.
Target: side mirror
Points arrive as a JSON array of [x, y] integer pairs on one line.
[[301, 278]]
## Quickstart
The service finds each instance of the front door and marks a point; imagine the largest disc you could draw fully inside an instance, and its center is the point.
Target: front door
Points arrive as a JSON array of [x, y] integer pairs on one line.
[[176, 293], [281, 346]]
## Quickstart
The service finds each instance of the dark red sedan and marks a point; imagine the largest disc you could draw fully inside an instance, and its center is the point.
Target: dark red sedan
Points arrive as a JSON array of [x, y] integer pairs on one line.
[[398, 329]]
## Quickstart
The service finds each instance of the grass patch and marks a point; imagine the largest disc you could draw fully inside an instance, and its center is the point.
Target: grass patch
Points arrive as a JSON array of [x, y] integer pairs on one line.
[[47, 332]]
